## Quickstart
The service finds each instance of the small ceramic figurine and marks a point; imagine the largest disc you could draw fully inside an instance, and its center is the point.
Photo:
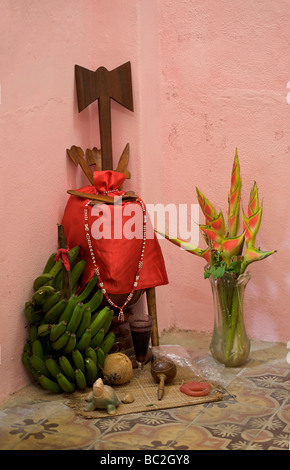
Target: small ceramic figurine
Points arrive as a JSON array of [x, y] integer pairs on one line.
[[103, 397]]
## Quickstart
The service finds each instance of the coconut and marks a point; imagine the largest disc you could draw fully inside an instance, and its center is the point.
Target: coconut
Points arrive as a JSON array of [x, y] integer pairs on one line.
[[118, 368]]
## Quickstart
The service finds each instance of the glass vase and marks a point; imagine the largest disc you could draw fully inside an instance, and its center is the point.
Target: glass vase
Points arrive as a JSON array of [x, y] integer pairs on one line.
[[230, 344]]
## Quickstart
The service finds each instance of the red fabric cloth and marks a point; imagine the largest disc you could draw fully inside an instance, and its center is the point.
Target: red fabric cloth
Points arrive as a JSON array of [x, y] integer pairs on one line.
[[117, 258], [62, 253]]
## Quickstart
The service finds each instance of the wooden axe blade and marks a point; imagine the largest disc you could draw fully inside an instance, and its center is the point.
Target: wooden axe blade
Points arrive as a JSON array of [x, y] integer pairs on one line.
[[103, 86], [116, 84]]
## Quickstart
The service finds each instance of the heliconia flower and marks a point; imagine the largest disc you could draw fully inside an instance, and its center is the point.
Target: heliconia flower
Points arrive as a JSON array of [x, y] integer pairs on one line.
[[253, 205], [234, 199], [235, 180], [206, 254], [232, 247], [234, 222], [217, 246], [254, 254], [206, 207], [218, 225], [251, 227]]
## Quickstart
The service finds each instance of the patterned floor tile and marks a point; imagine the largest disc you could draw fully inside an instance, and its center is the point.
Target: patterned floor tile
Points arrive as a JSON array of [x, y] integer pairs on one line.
[[254, 414], [63, 430], [258, 396], [144, 437]]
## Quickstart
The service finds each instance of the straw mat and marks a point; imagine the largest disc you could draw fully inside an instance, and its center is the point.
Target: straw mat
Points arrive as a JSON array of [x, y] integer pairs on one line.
[[144, 390]]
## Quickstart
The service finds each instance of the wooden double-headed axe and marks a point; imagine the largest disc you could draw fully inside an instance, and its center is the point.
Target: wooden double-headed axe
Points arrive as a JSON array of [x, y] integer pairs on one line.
[[103, 86]]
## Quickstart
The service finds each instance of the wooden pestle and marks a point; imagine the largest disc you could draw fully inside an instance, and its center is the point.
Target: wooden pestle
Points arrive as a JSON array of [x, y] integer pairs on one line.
[[163, 371]]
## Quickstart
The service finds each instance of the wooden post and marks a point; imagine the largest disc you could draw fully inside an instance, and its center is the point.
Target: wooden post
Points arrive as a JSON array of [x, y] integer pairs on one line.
[[151, 303]]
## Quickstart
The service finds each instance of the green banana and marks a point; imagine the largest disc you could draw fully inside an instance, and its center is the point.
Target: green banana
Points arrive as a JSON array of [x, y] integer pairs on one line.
[[31, 315], [85, 322], [88, 289], [76, 318], [41, 295], [61, 341], [100, 319], [26, 361], [95, 301], [27, 347], [44, 329], [57, 330], [54, 312], [52, 366], [80, 379], [97, 339], [49, 384], [76, 272], [91, 353], [51, 301], [33, 333], [67, 368], [29, 310], [38, 364], [49, 263], [64, 383], [57, 267], [91, 370], [73, 256], [108, 322], [100, 358], [41, 280], [78, 360], [71, 344], [57, 282], [28, 365], [85, 340], [37, 349], [108, 342], [70, 306]]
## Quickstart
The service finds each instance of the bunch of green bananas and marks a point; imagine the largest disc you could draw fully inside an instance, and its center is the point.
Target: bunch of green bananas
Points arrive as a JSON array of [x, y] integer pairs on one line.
[[68, 339]]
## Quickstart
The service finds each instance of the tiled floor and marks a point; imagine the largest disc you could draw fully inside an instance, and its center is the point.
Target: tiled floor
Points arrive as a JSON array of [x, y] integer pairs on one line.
[[254, 415]]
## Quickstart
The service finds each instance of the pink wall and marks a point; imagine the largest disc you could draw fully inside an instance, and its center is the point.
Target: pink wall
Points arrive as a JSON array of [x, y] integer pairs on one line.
[[224, 70], [207, 77]]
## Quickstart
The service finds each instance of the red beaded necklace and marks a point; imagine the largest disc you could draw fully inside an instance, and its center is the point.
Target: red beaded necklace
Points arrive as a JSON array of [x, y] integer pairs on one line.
[[97, 269]]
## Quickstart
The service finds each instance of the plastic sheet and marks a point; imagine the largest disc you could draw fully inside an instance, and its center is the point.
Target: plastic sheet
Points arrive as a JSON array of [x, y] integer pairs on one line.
[[204, 368]]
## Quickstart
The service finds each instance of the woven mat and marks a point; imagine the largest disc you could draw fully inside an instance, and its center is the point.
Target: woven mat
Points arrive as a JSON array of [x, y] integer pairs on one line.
[[144, 390]]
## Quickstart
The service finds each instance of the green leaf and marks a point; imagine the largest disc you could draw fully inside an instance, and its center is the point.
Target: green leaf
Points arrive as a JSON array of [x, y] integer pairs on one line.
[[235, 267], [206, 274], [219, 272], [215, 271]]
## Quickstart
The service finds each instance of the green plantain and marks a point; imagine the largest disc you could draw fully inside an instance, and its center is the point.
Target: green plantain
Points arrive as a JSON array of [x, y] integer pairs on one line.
[[108, 342], [52, 366], [78, 360], [61, 341], [80, 379], [85, 339], [99, 321], [91, 370], [54, 312], [85, 322], [95, 301], [65, 384], [49, 384], [71, 344], [84, 295], [57, 330], [67, 368]]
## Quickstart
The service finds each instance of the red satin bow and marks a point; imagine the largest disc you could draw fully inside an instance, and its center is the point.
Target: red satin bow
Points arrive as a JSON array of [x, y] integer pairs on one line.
[[63, 252]]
